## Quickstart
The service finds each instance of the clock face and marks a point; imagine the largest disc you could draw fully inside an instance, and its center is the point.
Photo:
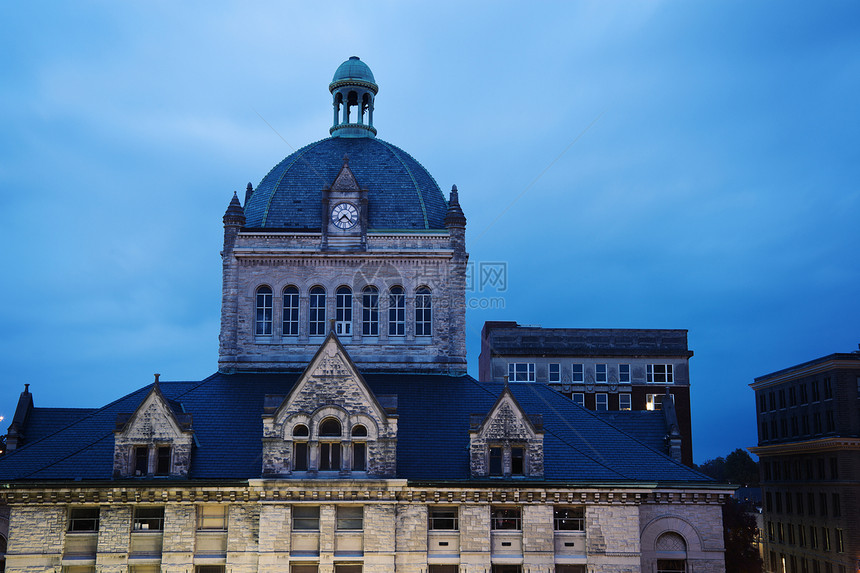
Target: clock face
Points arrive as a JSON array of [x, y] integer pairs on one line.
[[344, 215]]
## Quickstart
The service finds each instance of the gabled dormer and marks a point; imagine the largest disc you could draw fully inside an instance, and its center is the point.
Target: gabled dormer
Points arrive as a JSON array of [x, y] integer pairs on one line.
[[330, 424], [344, 212], [506, 442], [154, 440]]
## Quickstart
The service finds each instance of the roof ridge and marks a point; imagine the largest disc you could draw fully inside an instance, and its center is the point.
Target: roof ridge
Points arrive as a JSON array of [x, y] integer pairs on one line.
[[298, 154], [392, 148]]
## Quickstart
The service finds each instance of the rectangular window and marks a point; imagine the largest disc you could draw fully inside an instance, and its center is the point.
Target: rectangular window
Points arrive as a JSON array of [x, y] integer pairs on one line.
[[578, 398], [816, 423], [317, 312], [518, 461], [505, 518], [764, 431], [495, 460], [624, 373], [837, 505], [780, 532], [805, 424], [821, 475], [840, 542], [359, 456], [444, 519], [798, 498], [304, 568], [774, 433], [816, 395], [569, 518], [803, 397], [766, 470], [762, 403], [782, 398], [822, 504], [768, 501], [554, 372], [810, 503], [801, 536], [503, 568], [209, 569], [329, 456], [578, 377], [825, 539], [795, 429], [370, 312], [350, 517], [212, 517], [788, 502], [834, 468], [659, 374], [306, 518], [290, 324], [84, 519], [300, 456], [792, 396], [783, 425], [343, 311], [600, 373], [828, 389], [162, 461], [141, 460], [264, 312], [791, 534], [653, 401], [347, 568], [436, 568], [772, 400], [521, 372], [601, 401], [148, 519], [778, 497], [671, 565], [831, 421], [625, 402], [813, 537]]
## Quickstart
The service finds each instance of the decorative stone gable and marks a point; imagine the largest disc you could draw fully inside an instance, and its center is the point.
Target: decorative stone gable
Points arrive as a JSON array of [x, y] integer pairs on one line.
[[154, 440], [506, 443], [331, 424]]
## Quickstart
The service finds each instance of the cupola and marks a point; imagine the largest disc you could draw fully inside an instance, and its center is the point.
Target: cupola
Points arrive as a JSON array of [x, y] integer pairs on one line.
[[353, 89]]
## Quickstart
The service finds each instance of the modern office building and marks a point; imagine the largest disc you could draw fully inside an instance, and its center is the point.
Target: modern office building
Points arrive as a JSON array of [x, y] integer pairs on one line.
[[809, 454], [613, 371], [341, 433]]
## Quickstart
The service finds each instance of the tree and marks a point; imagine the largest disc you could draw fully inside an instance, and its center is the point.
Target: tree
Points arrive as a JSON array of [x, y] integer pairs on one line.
[[740, 535], [741, 469]]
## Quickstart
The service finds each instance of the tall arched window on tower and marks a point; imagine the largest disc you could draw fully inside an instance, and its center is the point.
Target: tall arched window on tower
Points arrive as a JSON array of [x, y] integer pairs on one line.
[[263, 322], [423, 312], [343, 311], [396, 311], [370, 311], [317, 311], [291, 311], [330, 438]]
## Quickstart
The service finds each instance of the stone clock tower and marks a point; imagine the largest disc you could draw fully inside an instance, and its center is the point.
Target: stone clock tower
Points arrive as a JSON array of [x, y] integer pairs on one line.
[[350, 233]]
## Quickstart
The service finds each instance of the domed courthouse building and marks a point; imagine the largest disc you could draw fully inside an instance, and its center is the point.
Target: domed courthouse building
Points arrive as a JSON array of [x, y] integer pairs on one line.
[[341, 433]]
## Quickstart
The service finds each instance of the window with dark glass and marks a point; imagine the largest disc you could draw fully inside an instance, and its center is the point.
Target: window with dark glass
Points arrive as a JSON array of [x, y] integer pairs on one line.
[[290, 326], [505, 518], [837, 505], [495, 460], [659, 374], [317, 311], [822, 504], [834, 468], [521, 372], [263, 322], [141, 460], [798, 498], [359, 448], [343, 311], [624, 373], [671, 565], [444, 518], [578, 376], [625, 402], [825, 539], [600, 373], [162, 460], [370, 311], [306, 518], [423, 312], [764, 431], [816, 394], [578, 399], [329, 449], [601, 401], [304, 568], [347, 568], [350, 517], [803, 397], [148, 519], [782, 398], [84, 519], [569, 518], [772, 400], [396, 311], [518, 461], [762, 403], [792, 396], [300, 456], [554, 372], [828, 388], [831, 421]]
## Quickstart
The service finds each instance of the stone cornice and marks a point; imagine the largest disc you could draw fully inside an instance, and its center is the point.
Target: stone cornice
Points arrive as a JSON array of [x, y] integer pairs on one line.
[[326, 257], [820, 445], [803, 371], [331, 491]]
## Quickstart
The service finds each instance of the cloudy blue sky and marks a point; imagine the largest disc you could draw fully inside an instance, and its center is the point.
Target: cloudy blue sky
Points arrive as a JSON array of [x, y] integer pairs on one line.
[[645, 164]]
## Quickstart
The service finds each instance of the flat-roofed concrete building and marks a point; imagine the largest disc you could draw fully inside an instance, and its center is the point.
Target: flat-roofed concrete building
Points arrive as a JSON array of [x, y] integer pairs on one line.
[[609, 370]]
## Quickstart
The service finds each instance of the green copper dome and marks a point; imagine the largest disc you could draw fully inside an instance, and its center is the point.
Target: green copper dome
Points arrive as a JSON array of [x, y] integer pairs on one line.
[[353, 71]]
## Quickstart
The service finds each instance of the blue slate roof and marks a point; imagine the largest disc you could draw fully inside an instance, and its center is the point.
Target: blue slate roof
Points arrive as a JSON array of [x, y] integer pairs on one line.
[[401, 193], [434, 414]]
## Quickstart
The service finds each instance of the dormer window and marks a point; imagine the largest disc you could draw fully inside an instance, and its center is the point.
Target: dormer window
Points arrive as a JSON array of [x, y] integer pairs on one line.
[[359, 448], [141, 460], [506, 442]]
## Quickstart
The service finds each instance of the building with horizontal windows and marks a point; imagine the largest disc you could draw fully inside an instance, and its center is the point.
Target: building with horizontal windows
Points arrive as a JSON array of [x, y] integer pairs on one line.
[[619, 372], [809, 454], [341, 433]]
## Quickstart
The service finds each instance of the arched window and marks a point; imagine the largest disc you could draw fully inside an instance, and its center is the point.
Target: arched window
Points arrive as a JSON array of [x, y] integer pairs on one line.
[[263, 322], [291, 311], [359, 448], [300, 448], [330, 434], [423, 312], [370, 311], [396, 311], [317, 311], [671, 553], [343, 313]]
